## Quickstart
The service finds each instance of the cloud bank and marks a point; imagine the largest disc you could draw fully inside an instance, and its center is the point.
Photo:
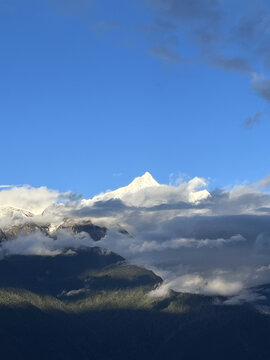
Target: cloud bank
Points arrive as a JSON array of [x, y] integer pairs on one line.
[[32, 199], [42, 245], [215, 242]]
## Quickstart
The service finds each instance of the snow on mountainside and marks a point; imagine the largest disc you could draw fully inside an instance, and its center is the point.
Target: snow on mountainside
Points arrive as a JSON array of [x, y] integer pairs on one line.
[[11, 215], [9, 211], [139, 183]]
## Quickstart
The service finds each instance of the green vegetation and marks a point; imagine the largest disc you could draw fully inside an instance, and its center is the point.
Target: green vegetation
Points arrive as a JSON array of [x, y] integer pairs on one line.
[[128, 272], [132, 299], [128, 324], [18, 298]]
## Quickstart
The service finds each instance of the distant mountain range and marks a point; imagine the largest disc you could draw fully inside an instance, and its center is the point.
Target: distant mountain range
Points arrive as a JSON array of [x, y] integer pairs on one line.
[[26, 225], [15, 221]]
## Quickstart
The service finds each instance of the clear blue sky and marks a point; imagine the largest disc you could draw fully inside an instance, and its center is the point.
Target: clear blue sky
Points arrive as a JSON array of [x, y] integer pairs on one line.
[[94, 93]]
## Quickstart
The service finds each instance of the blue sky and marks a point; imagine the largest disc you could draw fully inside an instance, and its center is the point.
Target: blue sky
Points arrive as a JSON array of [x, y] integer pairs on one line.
[[94, 93]]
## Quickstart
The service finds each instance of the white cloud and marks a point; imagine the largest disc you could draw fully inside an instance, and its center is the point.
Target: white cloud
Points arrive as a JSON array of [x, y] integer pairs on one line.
[[39, 244], [31, 198], [137, 244], [195, 283]]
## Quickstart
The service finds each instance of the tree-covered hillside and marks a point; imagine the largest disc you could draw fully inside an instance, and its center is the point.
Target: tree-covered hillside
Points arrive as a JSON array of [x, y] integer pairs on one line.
[[90, 304]]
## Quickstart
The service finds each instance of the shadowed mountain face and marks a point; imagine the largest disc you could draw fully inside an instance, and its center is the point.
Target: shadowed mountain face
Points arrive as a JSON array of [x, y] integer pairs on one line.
[[2, 235], [81, 270], [95, 232]]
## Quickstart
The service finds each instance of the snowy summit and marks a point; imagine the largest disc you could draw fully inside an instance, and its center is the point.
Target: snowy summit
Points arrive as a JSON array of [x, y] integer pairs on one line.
[[139, 183]]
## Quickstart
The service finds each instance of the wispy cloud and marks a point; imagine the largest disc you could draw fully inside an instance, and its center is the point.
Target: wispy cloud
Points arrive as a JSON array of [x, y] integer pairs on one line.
[[237, 64], [250, 121], [166, 54], [240, 46], [188, 9], [261, 85]]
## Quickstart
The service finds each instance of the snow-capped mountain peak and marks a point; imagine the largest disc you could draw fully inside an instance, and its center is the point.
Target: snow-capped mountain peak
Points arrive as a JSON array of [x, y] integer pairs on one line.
[[138, 184]]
